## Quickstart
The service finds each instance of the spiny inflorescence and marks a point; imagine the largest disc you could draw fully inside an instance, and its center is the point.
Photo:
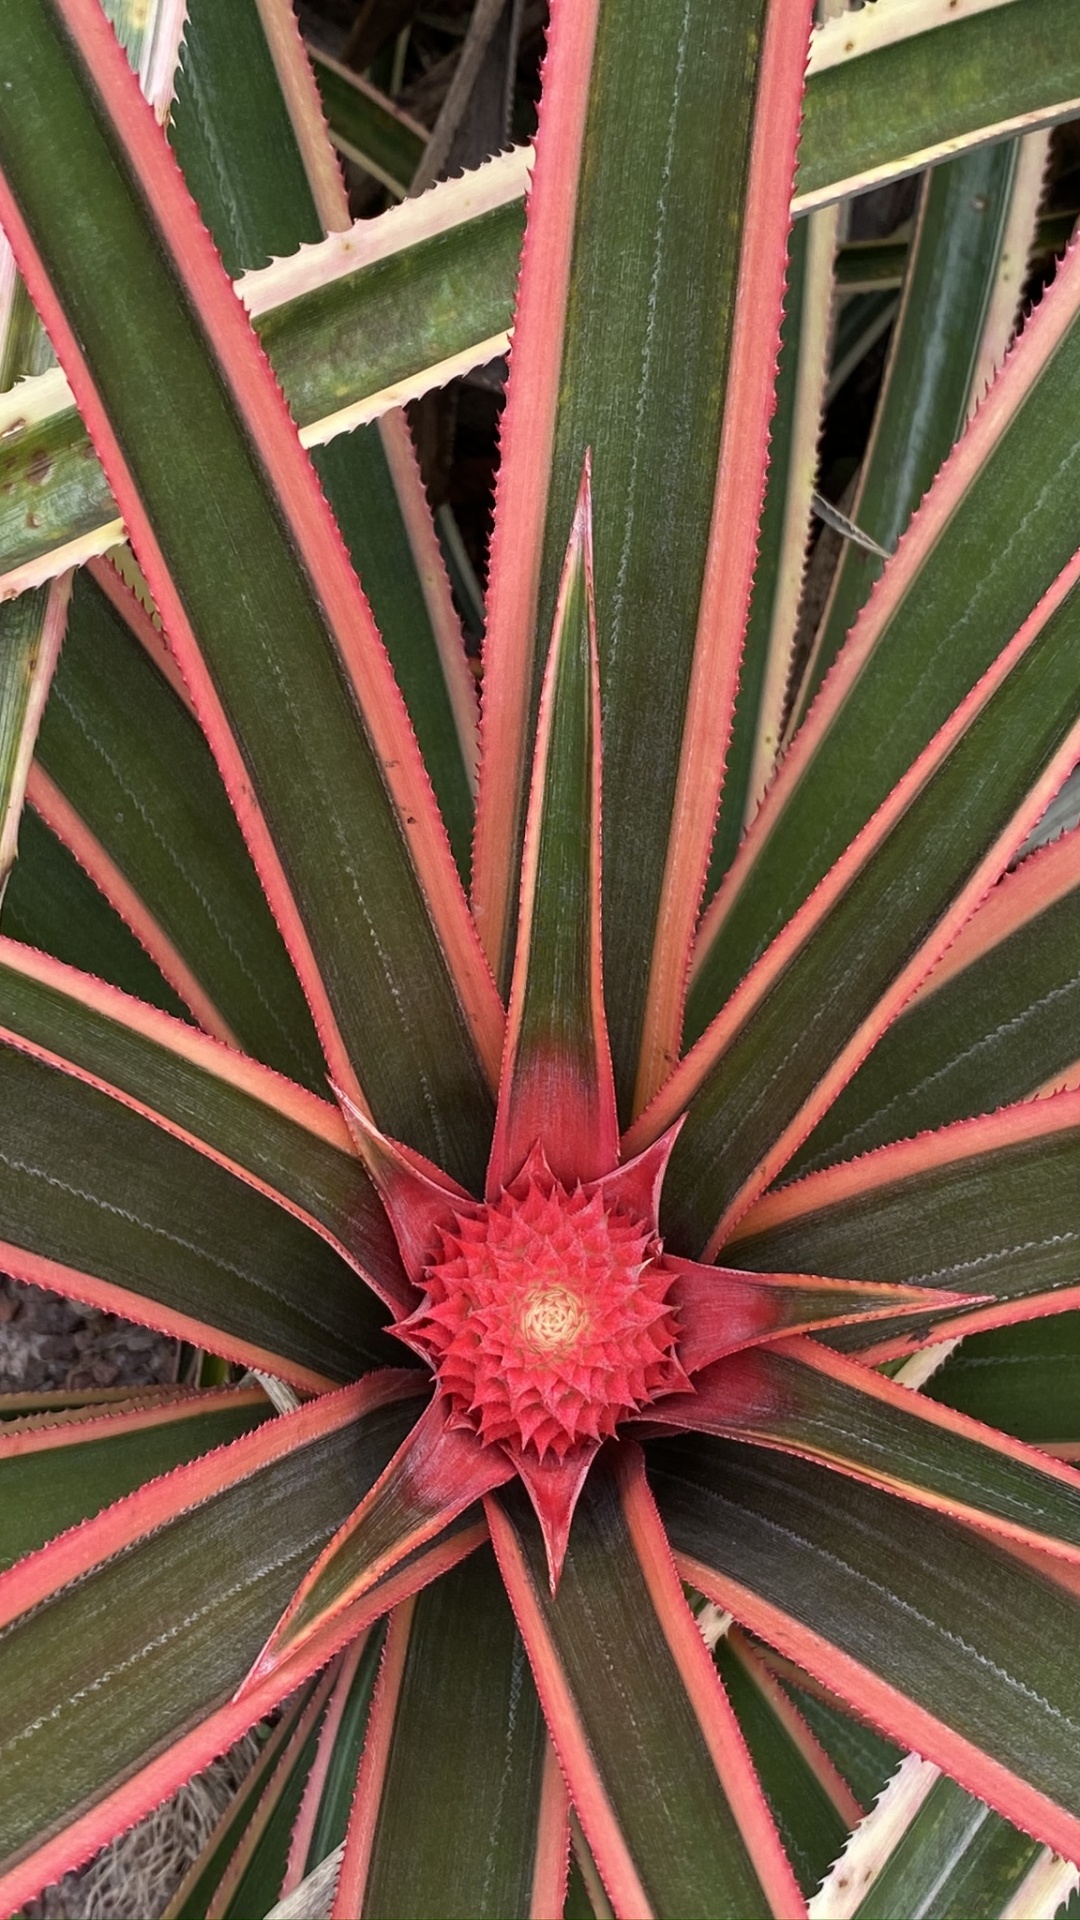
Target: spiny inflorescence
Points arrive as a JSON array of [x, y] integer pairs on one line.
[[546, 1316]]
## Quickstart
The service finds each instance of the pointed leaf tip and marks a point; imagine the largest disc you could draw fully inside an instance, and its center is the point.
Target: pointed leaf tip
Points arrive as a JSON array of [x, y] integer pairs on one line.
[[557, 1085], [436, 1473], [554, 1490], [418, 1196], [635, 1185], [581, 528]]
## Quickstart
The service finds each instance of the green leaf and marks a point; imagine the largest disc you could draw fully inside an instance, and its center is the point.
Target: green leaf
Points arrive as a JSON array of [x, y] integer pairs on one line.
[[140, 1649], [862, 1755], [955, 1858], [26, 350], [261, 206], [468, 1746], [895, 109], [52, 904], [320, 778], [1021, 1379], [31, 629], [863, 265], [45, 1488], [345, 347], [862, 320], [366, 127], [578, 1905], [952, 265], [132, 762], [962, 1651], [438, 295], [138, 1221], [59, 506]]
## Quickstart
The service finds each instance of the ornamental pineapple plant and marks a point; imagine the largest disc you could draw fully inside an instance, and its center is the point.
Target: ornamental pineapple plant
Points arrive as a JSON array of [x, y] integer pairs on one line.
[[610, 1159]]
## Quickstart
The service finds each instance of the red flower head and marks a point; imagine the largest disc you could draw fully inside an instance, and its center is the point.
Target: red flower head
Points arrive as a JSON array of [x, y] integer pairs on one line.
[[546, 1316]]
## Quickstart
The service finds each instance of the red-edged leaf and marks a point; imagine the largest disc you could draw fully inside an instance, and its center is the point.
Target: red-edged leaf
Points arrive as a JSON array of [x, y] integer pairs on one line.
[[812, 1805], [937, 1634], [143, 1512], [556, 1087], [721, 1309], [271, 1133], [995, 1022], [1038, 883], [988, 1203], [527, 442], [417, 1195], [456, 1726], [356, 1862], [221, 1540], [86, 1833], [733, 535], [437, 1473], [102, 1205], [372, 478], [552, 1842], [764, 1072], [352, 1685], [983, 550], [630, 97], [57, 1468], [344, 813], [197, 1885], [554, 1487], [62, 819], [120, 745], [803, 1399], [617, 1652], [787, 1716], [283, 1786]]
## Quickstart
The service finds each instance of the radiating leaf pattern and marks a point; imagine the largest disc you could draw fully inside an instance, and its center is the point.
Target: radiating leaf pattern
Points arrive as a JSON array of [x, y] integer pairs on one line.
[[262, 1090]]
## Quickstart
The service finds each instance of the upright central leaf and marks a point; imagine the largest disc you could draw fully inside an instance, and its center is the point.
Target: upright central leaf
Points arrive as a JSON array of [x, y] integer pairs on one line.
[[556, 1083], [626, 342]]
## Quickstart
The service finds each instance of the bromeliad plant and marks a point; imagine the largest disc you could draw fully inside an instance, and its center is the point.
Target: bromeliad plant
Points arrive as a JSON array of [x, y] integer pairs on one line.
[[556, 1348]]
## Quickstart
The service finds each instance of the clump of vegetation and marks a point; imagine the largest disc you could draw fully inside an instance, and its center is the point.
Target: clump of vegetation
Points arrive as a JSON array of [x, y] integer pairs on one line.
[[567, 1136]]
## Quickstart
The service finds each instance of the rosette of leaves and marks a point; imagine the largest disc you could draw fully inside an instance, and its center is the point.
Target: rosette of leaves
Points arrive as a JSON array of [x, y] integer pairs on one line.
[[577, 1135]]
